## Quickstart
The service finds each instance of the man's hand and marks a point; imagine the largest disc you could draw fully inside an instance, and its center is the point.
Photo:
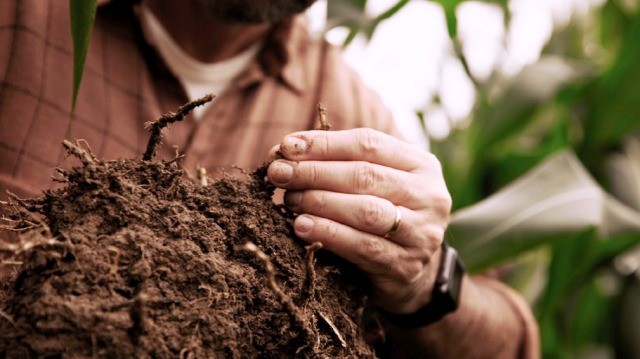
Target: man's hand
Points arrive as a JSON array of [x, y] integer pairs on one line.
[[346, 186]]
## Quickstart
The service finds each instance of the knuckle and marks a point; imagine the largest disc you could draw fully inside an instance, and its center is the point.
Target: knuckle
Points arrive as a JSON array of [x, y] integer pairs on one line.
[[320, 144], [434, 241], [411, 272], [312, 174], [411, 267], [432, 161], [315, 201], [372, 214], [404, 189], [443, 201], [374, 250], [370, 142], [442, 205], [365, 178]]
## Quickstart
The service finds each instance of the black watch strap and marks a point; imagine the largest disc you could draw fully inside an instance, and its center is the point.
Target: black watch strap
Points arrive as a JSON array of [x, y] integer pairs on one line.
[[444, 297]]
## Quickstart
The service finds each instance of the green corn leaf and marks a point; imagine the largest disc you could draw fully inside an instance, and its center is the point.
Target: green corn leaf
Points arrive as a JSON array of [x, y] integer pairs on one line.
[[590, 322], [526, 214], [449, 7], [82, 14], [385, 15], [613, 99], [570, 296]]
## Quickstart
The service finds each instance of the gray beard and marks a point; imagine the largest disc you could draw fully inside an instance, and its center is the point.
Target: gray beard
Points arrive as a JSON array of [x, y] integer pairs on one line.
[[255, 11]]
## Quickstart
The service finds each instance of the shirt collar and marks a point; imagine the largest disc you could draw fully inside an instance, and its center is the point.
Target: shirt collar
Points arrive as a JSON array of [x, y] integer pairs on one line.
[[281, 56]]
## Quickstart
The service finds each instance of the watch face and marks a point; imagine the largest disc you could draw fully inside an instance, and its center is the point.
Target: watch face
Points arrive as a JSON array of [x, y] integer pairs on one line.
[[450, 278]]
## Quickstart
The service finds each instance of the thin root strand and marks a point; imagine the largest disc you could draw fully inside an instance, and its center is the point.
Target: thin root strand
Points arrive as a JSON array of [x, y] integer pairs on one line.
[[168, 118], [74, 149], [322, 116], [310, 278], [281, 296], [202, 176], [8, 318], [334, 328]]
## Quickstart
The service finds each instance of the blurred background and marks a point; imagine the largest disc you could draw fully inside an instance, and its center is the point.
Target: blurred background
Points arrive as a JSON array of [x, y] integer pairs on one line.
[[533, 108]]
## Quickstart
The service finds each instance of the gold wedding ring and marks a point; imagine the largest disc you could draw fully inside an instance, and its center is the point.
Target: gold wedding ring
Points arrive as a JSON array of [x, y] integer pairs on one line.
[[395, 225]]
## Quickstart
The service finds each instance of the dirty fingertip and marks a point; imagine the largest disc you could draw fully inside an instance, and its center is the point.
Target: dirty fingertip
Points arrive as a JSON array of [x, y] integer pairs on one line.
[[292, 199], [274, 152], [303, 225], [280, 173], [293, 146]]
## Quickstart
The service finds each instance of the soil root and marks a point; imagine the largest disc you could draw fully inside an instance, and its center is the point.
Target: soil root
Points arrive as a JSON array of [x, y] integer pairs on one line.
[[310, 278], [86, 157], [8, 318], [18, 249], [202, 176], [334, 328], [168, 118], [322, 115], [281, 296]]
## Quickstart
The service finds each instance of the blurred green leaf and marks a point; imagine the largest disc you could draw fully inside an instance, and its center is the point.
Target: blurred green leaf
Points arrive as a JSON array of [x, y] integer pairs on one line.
[[592, 309], [82, 14], [489, 256], [566, 268], [472, 157], [352, 14], [549, 138], [614, 98], [627, 319], [612, 247], [571, 273], [386, 15], [612, 26], [449, 7], [534, 86]]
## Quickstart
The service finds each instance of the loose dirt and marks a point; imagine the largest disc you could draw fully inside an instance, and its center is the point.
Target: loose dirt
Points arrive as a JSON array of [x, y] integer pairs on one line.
[[129, 259]]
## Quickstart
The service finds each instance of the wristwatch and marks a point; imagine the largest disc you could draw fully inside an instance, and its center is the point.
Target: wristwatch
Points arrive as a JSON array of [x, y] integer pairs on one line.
[[444, 297]]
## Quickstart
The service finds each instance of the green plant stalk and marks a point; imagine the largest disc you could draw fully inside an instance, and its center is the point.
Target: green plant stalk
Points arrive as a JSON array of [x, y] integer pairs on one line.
[[82, 14]]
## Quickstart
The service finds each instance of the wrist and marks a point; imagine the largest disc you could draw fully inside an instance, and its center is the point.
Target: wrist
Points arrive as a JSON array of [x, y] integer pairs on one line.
[[421, 290], [441, 300]]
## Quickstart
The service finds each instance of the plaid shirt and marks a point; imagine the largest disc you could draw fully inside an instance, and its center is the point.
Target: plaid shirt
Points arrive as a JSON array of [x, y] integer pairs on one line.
[[126, 84]]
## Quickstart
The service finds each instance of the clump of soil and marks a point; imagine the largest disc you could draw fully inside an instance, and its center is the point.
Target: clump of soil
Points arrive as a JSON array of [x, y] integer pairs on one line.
[[128, 259]]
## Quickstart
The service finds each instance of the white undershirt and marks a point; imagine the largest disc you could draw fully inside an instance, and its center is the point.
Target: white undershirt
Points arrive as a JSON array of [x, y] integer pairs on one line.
[[197, 78]]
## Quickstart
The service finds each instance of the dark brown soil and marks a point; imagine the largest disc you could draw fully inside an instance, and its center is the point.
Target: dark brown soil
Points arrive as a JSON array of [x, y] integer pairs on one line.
[[131, 260]]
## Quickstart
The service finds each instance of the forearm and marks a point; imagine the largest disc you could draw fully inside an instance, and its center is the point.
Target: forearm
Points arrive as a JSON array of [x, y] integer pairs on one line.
[[489, 323]]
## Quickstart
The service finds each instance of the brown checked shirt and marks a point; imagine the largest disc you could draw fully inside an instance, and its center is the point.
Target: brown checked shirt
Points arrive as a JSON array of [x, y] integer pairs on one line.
[[126, 84]]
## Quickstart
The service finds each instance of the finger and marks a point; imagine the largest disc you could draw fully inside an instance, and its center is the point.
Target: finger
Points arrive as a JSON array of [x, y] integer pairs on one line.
[[370, 253], [361, 144], [362, 212], [273, 152], [396, 186]]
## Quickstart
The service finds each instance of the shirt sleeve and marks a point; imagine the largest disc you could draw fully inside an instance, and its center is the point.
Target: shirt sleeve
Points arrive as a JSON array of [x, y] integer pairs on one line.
[[530, 340]]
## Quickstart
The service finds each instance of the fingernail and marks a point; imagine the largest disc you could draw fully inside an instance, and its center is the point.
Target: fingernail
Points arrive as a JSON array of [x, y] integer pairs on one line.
[[294, 145], [292, 199], [303, 224], [280, 172]]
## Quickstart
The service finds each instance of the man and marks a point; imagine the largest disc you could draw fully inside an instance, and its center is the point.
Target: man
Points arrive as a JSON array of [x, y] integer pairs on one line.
[[365, 195]]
